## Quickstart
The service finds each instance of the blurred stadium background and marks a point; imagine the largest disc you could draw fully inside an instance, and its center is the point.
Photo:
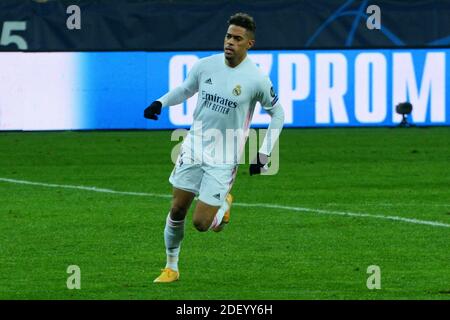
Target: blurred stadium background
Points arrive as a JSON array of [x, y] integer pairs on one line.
[[83, 176]]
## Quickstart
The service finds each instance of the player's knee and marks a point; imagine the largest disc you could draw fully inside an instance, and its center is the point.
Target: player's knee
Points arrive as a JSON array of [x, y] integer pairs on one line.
[[200, 224], [177, 212]]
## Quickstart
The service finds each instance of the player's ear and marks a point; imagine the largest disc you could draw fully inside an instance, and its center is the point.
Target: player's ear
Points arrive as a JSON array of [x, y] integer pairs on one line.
[[251, 43]]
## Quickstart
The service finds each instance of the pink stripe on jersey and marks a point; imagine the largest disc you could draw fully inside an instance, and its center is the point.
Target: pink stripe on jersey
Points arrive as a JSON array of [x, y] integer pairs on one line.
[[233, 177], [246, 129]]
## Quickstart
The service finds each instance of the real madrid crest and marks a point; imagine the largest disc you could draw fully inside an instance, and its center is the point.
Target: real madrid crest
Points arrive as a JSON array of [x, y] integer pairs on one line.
[[237, 90]]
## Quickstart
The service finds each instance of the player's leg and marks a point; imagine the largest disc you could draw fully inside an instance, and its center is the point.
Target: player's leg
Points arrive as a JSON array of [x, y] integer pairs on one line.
[[213, 208], [174, 230], [174, 233], [204, 215], [223, 215], [185, 179], [208, 217]]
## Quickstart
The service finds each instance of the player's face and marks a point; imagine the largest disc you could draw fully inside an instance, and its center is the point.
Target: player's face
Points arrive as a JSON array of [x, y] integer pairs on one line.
[[236, 44]]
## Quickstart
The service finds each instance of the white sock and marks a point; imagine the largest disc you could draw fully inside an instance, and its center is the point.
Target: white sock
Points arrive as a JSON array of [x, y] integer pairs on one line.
[[173, 235], [219, 215]]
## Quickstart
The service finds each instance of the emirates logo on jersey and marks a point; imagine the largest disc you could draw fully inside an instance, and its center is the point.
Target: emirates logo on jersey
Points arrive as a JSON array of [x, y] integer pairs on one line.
[[237, 90], [217, 103]]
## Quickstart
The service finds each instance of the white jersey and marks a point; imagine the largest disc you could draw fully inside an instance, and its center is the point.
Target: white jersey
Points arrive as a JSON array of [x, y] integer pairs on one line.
[[226, 100]]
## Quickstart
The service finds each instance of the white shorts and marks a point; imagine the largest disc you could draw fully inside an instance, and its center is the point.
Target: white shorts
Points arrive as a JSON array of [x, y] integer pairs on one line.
[[210, 183]]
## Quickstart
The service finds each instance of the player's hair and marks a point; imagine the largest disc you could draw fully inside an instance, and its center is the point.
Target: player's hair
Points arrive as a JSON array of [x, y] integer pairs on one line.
[[245, 21]]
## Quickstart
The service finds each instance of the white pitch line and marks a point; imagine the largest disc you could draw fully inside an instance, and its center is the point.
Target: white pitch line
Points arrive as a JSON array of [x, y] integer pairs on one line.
[[344, 213], [384, 204], [260, 205], [95, 189]]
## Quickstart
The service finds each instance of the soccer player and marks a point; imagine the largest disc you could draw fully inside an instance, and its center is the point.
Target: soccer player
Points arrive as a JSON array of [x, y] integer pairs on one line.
[[229, 86]]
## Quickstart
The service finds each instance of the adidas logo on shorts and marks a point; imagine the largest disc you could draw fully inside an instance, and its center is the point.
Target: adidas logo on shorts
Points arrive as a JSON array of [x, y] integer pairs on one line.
[[217, 196]]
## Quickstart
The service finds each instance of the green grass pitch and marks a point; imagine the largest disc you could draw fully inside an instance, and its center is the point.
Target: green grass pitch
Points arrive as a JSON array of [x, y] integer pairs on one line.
[[265, 253]]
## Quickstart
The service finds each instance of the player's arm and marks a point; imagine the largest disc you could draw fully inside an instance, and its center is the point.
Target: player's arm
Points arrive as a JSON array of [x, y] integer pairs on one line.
[[269, 101], [175, 96]]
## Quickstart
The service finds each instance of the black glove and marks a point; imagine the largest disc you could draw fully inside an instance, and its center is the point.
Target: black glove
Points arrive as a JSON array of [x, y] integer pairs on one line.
[[151, 111], [258, 165]]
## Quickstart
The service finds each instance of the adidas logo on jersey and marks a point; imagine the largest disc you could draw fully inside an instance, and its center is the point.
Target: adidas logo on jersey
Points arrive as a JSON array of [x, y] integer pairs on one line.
[[209, 81], [217, 196]]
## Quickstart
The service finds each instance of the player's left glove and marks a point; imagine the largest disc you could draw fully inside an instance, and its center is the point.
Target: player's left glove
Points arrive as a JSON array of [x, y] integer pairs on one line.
[[154, 109], [259, 164]]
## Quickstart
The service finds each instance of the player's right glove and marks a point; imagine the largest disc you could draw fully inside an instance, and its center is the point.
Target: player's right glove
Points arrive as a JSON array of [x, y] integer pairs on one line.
[[153, 110], [259, 165]]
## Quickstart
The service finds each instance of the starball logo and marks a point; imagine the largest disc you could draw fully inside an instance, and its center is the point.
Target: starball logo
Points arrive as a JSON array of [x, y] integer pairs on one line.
[[217, 103]]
